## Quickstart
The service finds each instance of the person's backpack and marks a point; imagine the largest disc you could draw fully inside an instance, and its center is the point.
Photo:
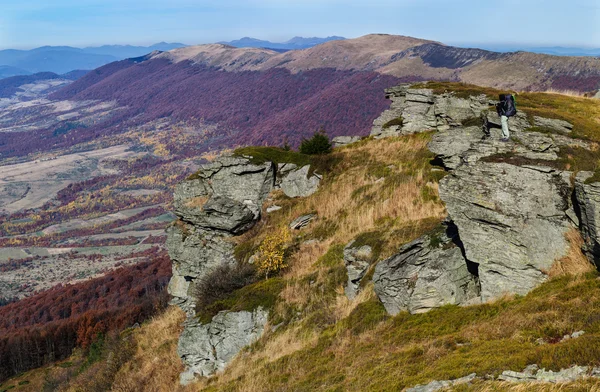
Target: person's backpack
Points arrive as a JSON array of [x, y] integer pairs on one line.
[[508, 106]]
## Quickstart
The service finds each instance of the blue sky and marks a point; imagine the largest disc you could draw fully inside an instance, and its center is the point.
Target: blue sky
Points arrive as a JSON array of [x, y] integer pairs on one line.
[[31, 23]]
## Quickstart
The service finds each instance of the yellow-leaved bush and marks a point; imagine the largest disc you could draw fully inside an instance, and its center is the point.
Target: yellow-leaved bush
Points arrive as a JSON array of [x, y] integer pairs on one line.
[[271, 252]]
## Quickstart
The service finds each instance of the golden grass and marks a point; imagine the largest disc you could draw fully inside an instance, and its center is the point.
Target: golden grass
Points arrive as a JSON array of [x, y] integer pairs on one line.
[[575, 262], [393, 172], [155, 366], [196, 202]]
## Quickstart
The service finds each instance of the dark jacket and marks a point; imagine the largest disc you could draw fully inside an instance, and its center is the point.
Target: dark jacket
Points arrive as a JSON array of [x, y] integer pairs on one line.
[[506, 106]]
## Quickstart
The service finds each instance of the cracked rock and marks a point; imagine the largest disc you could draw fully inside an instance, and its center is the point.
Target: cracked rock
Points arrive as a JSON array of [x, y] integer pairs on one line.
[[426, 273]]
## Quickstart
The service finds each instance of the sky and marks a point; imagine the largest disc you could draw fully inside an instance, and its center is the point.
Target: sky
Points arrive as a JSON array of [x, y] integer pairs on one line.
[[26, 24]]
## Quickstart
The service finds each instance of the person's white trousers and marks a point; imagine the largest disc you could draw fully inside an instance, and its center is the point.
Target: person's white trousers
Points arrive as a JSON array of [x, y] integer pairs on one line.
[[505, 132]]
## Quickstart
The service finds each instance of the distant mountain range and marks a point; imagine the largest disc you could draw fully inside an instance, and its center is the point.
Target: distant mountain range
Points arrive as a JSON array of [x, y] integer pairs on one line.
[[551, 50], [292, 44], [63, 59]]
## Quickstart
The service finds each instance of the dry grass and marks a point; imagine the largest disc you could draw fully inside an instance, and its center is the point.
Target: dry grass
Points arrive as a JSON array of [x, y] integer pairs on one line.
[[575, 262], [391, 174], [155, 366], [568, 93], [196, 202]]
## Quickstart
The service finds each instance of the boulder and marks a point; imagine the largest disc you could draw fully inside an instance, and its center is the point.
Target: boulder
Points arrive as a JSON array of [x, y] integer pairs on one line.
[[426, 273], [207, 348], [438, 385], [340, 141], [298, 183], [533, 374], [357, 260], [226, 194], [302, 221], [512, 221], [560, 126], [588, 203]]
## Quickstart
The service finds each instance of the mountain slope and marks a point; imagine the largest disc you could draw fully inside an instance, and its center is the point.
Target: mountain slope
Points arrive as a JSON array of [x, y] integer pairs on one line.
[[405, 56], [383, 193]]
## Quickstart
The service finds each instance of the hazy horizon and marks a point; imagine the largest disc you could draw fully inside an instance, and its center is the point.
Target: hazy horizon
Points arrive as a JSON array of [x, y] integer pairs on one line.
[[85, 23]]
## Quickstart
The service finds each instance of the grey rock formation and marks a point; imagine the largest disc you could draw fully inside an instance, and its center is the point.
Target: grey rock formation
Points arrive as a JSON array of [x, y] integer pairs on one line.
[[340, 141], [298, 183], [553, 124], [302, 221], [194, 252], [533, 374], [357, 260], [511, 221], [422, 110], [207, 348], [588, 200], [427, 273], [396, 95], [437, 385], [451, 145], [222, 200], [226, 194]]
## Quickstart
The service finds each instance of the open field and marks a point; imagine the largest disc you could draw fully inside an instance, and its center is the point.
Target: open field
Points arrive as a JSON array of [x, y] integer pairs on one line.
[[31, 184], [28, 270]]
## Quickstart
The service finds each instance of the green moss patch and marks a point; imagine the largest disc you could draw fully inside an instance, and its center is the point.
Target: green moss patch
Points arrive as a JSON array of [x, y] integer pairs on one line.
[[263, 293]]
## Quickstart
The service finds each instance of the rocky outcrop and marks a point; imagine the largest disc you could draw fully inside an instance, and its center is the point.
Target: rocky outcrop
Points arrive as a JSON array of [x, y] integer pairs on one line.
[[534, 374], [207, 348], [427, 273], [438, 385], [340, 141], [512, 221], [225, 195], [421, 110], [588, 201], [302, 221], [194, 252], [531, 374], [553, 124], [357, 259], [299, 182], [222, 200], [509, 203]]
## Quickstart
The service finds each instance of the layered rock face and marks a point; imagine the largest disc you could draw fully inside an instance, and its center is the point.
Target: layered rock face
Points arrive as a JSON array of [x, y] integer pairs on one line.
[[588, 200], [512, 222], [223, 200], [426, 273], [510, 205], [208, 348]]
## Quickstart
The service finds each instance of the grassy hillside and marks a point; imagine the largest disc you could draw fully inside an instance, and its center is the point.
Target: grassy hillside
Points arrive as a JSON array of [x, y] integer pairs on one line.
[[382, 193]]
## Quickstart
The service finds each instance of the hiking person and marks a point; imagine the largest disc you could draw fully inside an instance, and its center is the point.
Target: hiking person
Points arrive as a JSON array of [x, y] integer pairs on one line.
[[506, 108]]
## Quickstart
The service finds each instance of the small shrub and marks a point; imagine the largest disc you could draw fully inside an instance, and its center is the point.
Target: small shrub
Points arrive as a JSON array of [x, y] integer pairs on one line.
[[221, 282], [272, 251], [318, 144]]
